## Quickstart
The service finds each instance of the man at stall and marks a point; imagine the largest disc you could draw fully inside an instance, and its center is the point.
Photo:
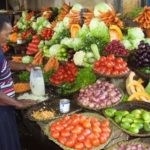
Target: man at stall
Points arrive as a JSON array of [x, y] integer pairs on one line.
[[8, 129]]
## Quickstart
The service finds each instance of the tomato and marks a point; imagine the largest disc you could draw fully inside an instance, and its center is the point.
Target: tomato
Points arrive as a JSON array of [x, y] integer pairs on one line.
[[65, 133], [95, 142], [115, 72], [96, 129], [62, 140], [81, 138], [79, 146], [102, 139], [73, 136], [70, 143], [103, 58], [109, 64], [105, 134], [59, 127], [86, 132], [119, 60], [55, 134], [111, 57], [91, 136], [70, 128], [53, 127], [105, 123], [88, 143], [86, 124], [78, 129], [106, 129]]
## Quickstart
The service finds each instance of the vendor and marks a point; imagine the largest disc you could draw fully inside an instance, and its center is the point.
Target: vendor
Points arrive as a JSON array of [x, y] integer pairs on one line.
[[8, 129]]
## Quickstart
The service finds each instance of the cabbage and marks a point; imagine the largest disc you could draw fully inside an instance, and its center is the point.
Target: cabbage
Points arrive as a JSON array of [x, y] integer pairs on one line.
[[99, 29], [27, 59], [75, 43], [78, 58], [82, 33], [77, 7], [59, 27], [101, 7], [53, 50], [127, 44], [135, 43], [135, 33]]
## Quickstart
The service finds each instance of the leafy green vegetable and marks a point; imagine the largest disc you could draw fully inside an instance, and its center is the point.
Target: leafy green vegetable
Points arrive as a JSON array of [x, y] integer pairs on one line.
[[24, 76], [47, 75], [84, 78], [135, 33], [27, 59], [145, 70]]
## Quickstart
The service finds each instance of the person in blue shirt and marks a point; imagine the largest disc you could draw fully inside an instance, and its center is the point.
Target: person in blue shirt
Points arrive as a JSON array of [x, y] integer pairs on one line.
[[9, 139]]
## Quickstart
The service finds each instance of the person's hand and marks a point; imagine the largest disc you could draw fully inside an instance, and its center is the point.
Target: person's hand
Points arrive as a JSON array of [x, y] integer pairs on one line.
[[29, 67], [24, 103]]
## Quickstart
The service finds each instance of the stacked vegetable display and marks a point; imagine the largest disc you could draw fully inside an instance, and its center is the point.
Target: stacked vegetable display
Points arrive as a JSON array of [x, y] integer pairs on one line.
[[111, 66], [99, 95], [80, 132], [135, 122]]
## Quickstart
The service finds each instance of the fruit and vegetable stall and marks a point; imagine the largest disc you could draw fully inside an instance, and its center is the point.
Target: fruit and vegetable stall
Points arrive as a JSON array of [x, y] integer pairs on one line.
[[94, 65]]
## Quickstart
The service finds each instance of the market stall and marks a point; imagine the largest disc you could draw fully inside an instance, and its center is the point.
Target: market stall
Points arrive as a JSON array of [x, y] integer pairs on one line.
[[92, 86]]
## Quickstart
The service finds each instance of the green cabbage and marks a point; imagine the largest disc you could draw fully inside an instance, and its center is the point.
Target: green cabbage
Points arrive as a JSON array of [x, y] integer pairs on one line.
[[77, 7], [27, 59], [135, 33]]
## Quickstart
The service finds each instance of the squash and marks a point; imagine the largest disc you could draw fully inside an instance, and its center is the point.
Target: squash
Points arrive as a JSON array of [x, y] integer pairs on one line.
[[115, 33], [74, 30], [21, 87]]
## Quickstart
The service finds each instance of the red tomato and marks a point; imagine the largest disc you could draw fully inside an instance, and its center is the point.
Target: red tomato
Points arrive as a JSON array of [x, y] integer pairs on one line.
[[65, 133], [91, 136], [111, 57], [79, 146], [103, 58], [70, 128], [105, 134], [105, 123], [55, 134], [86, 124], [88, 143], [96, 142], [81, 138], [119, 60], [70, 143], [102, 139], [59, 127], [86, 132], [106, 129], [53, 127], [78, 129], [62, 140], [96, 129]]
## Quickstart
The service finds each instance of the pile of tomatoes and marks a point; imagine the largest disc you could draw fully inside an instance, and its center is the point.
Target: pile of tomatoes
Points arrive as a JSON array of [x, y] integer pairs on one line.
[[47, 33], [80, 132], [25, 35], [65, 73], [111, 66]]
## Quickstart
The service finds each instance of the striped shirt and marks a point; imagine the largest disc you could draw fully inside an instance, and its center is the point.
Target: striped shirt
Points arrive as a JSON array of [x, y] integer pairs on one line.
[[6, 82]]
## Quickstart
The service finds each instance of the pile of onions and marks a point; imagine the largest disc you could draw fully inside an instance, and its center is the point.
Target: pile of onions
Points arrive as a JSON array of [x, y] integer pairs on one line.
[[131, 147], [99, 95]]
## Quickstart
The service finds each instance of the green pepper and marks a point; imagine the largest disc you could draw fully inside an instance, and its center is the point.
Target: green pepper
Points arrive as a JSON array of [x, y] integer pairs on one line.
[[138, 121], [134, 130], [121, 113], [118, 119], [125, 125], [127, 119], [137, 125], [147, 127], [110, 112], [137, 113], [146, 116]]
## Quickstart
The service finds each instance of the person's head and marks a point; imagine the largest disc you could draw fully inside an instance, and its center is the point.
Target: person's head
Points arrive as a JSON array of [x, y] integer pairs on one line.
[[5, 28]]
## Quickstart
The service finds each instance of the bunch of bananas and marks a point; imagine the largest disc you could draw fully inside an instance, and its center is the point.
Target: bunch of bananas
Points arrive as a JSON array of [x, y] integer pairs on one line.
[[135, 89]]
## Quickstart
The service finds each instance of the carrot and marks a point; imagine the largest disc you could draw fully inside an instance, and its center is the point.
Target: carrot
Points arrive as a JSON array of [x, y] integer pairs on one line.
[[38, 58], [17, 59], [74, 30], [21, 87], [51, 64]]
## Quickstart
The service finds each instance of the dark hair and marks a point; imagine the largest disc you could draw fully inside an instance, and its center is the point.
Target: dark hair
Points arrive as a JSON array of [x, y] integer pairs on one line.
[[3, 19]]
